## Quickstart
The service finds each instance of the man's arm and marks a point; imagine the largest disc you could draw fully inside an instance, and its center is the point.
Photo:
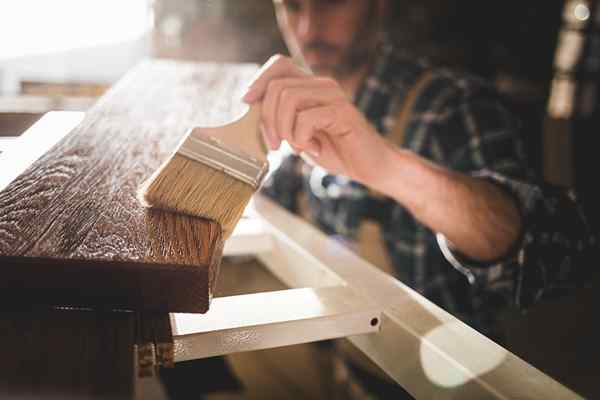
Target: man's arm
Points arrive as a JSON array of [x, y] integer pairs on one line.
[[477, 217], [555, 253], [317, 118]]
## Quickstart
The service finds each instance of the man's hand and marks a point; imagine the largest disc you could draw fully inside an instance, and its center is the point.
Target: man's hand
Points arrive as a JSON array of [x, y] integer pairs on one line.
[[316, 117]]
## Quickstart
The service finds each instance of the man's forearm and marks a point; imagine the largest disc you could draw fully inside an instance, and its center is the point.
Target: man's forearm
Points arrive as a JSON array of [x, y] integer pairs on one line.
[[476, 216]]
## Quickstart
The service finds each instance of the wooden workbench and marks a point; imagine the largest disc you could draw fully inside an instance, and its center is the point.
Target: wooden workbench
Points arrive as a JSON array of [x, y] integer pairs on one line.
[[72, 231], [73, 234]]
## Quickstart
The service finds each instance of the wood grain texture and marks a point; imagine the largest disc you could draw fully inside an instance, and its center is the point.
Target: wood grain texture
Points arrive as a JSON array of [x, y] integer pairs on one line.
[[72, 231]]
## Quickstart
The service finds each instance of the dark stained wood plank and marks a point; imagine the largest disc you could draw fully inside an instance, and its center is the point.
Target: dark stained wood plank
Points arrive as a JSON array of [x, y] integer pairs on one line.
[[67, 354], [158, 334], [80, 354], [71, 228]]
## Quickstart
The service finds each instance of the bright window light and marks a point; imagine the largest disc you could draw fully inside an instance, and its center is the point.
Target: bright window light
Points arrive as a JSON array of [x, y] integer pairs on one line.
[[37, 26]]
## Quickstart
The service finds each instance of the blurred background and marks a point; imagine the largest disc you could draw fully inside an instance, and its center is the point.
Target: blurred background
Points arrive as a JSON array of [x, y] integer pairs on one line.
[[62, 54], [543, 55]]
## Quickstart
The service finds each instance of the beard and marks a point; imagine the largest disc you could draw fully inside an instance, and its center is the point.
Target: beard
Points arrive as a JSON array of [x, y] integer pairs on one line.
[[363, 48], [343, 62]]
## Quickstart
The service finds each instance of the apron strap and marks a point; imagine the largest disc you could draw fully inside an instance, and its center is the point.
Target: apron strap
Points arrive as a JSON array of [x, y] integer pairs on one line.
[[396, 135], [369, 239]]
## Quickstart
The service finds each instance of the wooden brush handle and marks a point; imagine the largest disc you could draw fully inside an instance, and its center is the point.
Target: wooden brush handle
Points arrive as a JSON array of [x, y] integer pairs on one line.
[[253, 113], [243, 134]]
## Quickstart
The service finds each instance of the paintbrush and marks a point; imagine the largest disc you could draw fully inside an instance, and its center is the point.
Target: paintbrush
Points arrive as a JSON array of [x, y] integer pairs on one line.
[[213, 173]]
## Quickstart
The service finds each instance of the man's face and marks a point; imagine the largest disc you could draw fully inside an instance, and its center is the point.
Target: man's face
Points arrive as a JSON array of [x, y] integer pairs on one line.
[[334, 37]]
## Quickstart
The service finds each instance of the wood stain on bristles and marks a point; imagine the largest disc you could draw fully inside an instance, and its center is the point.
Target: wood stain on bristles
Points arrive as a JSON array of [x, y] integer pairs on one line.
[[194, 187], [190, 187]]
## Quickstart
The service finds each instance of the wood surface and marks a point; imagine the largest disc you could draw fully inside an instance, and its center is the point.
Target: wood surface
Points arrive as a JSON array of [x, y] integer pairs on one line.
[[72, 231], [67, 354], [80, 354]]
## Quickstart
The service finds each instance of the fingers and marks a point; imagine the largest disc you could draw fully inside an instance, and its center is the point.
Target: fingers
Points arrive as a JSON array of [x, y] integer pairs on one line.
[[270, 104], [273, 142], [308, 135], [286, 91], [282, 108], [276, 67]]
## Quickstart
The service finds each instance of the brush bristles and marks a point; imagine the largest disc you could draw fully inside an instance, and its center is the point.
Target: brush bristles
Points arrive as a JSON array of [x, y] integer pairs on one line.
[[194, 188]]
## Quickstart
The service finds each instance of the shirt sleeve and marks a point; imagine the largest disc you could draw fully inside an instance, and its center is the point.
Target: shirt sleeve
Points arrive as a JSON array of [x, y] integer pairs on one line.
[[553, 256], [472, 129]]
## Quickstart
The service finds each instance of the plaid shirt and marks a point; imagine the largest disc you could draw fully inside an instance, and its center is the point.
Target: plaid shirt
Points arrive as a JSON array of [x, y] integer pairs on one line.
[[553, 255], [457, 121]]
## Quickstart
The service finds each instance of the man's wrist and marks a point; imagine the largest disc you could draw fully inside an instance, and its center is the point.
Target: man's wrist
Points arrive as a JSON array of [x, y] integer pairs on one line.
[[388, 169], [407, 178]]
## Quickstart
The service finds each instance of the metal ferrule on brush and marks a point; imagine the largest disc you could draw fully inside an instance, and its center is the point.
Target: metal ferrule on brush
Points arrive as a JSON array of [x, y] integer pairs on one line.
[[210, 151]]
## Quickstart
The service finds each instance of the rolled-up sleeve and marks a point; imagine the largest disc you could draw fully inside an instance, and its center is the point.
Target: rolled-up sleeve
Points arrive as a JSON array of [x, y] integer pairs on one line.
[[553, 255]]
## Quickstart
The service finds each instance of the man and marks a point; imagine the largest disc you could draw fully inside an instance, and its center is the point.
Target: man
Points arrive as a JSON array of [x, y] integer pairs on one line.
[[447, 185], [457, 122]]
